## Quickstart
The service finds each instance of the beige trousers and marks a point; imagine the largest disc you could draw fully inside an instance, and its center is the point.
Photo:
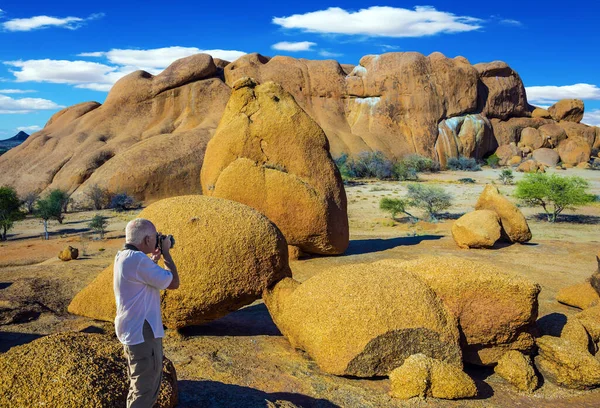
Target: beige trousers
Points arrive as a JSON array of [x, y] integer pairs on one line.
[[144, 368]]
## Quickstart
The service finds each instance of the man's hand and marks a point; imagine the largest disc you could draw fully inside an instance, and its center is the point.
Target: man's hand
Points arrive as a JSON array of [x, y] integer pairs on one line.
[[166, 244], [156, 254]]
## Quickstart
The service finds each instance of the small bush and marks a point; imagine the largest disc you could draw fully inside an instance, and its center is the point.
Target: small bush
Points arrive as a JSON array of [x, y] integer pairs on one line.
[[98, 224], [466, 180], [432, 199], [29, 201], [123, 202], [421, 164], [506, 176], [463, 164], [99, 197], [394, 206], [493, 161], [376, 165]]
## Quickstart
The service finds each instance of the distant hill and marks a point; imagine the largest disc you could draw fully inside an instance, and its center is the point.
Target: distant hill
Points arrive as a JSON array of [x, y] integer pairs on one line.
[[13, 141]]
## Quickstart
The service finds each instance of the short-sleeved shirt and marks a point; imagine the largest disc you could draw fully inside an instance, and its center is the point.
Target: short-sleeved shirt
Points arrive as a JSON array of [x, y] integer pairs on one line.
[[137, 284]]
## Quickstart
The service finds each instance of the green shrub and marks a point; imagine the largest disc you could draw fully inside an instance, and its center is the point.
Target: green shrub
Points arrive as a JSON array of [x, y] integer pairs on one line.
[[99, 197], [421, 164], [553, 192], [493, 161], [9, 210], [466, 180], [395, 206], [431, 199], [98, 224], [506, 176], [463, 164]]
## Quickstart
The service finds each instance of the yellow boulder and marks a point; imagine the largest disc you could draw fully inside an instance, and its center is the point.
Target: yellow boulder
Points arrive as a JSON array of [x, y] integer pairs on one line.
[[514, 225], [477, 229], [581, 295], [73, 370], [517, 369], [422, 376], [364, 320], [269, 154], [226, 255]]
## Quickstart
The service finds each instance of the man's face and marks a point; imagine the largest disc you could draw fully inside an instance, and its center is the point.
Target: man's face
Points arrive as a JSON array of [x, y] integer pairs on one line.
[[150, 242]]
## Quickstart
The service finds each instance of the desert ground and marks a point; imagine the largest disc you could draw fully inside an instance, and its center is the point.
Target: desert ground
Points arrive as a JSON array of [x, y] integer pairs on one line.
[[242, 360]]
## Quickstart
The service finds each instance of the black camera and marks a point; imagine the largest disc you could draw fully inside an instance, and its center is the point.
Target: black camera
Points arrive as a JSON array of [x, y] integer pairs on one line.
[[159, 239]]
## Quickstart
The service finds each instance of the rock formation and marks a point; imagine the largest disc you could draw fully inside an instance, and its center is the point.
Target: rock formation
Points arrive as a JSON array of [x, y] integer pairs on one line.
[[68, 254], [73, 370], [269, 154], [422, 376], [398, 103], [364, 320], [229, 254], [580, 295], [495, 310]]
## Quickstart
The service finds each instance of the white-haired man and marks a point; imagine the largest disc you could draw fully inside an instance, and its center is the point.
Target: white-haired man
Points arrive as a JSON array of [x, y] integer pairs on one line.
[[137, 283]]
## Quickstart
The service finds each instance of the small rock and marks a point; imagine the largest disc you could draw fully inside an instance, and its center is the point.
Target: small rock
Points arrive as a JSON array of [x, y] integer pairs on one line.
[[590, 319], [564, 363], [517, 369], [582, 295], [68, 254], [422, 376], [575, 332], [477, 229]]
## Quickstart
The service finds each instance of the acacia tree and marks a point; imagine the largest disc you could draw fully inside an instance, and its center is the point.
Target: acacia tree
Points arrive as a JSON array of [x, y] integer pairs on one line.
[[9, 210], [432, 199], [29, 201], [60, 197], [100, 197], [553, 193], [47, 209], [395, 206], [99, 224]]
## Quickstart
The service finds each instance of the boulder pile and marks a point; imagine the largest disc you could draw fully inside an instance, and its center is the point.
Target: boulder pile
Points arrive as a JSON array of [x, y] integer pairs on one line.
[[229, 254], [494, 217]]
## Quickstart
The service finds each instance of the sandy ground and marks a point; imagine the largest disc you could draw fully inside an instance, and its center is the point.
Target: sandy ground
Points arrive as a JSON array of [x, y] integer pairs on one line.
[[242, 360]]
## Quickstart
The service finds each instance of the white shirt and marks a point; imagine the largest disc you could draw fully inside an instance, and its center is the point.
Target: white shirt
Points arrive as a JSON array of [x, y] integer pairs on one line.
[[137, 284]]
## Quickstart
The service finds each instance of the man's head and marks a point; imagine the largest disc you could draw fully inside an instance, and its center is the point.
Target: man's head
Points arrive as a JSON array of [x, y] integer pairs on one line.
[[142, 234]]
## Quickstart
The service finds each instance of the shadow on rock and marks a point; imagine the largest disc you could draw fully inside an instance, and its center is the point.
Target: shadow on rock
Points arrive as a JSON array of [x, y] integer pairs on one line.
[[365, 246], [552, 324], [9, 340], [213, 394], [479, 375], [4, 285], [253, 320]]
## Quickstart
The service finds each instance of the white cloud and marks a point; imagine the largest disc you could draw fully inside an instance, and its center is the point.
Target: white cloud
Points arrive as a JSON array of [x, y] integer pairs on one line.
[[330, 54], [387, 47], [25, 105], [380, 22], [592, 118], [33, 128], [39, 22], [551, 94], [101, 77], [511, 22], [16, 91], [159, 58], [293, 46]]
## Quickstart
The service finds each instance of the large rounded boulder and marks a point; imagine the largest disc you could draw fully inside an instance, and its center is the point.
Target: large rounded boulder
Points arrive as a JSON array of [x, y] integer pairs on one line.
[[477, 229], [570, 110], [496, 310], [364, 320], [514, 224], [573, 151], [73, 370], [547, 157], [226, 255], [269, 154]]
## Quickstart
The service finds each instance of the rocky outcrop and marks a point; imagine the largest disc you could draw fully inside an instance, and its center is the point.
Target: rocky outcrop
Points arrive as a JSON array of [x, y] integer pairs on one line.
[[468, 136], [509, 131], [476, 229], [517, 369], [531, 166], [570, 110], [552, 134], [71, 370], [364, 320], [424, 377], [269, 154], [514, 225], [532, 138], [495, 309], [501, 93], [541, 113], [242, 253]]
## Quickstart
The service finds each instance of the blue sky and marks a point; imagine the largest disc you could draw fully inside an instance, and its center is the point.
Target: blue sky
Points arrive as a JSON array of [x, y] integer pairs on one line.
[[56, 54]]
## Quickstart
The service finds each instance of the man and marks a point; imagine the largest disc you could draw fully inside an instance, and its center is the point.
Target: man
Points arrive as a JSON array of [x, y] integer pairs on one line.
[[137, 283]]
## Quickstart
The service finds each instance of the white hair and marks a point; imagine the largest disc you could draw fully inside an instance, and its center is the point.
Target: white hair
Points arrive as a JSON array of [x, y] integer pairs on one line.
[[138, 229]]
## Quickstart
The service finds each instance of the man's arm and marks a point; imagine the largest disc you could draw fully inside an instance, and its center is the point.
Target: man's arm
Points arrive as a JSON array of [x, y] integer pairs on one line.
[[170, 264]]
